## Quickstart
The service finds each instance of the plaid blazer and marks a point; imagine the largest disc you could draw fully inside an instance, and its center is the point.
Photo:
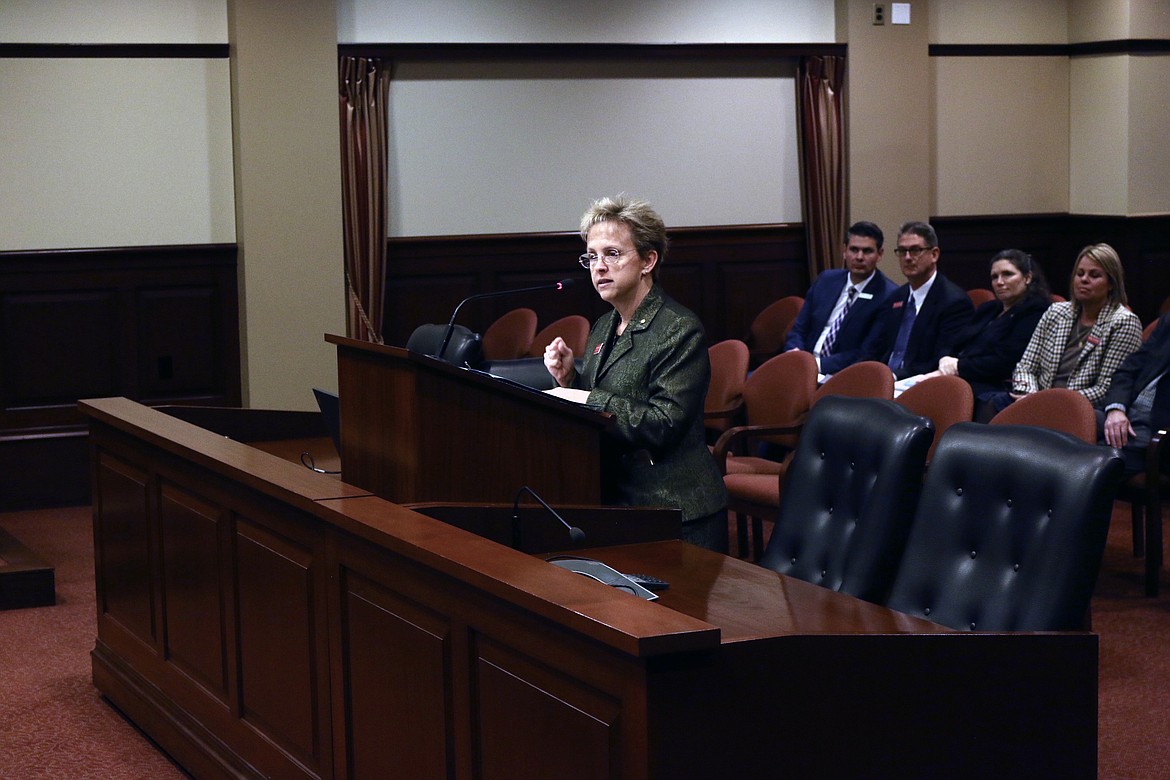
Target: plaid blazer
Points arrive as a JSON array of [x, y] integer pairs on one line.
[[653, 379], [1117, 334]]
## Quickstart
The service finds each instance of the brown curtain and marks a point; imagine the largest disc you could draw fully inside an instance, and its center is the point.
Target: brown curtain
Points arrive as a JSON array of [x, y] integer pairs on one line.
[[364, 89], [822, 158]]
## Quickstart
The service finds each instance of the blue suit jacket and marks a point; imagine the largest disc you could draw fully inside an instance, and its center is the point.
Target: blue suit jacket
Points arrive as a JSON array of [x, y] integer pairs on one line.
[[945, 314], [818, 305]]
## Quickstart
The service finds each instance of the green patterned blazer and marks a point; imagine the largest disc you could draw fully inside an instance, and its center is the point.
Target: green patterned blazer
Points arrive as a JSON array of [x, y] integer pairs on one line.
[[653, 379]]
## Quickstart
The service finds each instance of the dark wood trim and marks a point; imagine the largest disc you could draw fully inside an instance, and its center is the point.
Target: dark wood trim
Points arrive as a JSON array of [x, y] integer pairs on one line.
[[649, 51], [969, 241], [156, 323], [1130, 46], [725, 273], [169, 51]]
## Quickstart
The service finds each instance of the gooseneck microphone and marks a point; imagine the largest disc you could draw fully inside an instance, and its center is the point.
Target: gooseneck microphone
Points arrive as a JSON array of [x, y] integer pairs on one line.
[[576, 535], [562, 284]]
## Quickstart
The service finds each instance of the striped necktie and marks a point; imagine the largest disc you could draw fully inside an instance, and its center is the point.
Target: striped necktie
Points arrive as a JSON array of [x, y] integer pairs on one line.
[[835, 325]]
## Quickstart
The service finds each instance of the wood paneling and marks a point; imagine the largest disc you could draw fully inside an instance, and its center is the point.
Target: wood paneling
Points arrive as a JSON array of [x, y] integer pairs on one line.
[[157, 324], [1054, 240], [726, 275]]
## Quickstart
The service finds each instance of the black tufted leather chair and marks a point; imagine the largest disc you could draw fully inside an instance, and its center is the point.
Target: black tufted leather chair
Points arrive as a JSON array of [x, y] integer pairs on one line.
[[1010, 530], [463, 349], [849, 495]]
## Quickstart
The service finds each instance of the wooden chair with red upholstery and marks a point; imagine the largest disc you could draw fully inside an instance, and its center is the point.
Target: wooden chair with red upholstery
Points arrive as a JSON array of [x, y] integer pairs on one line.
[[979, 296], [510, 337], [753, 484], [867, 379], [1058, 408], [776, 398], [574, 329], [724, 404], [944, 400], [770, 328]]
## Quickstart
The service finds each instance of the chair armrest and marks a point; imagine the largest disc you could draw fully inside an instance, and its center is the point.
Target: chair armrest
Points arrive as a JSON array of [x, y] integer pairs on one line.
[[732, 436], [730, 413], [1154, 458]]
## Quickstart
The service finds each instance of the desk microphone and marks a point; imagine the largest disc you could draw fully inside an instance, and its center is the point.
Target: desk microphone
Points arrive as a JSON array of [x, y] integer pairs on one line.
[[562, 284], [576, 535]]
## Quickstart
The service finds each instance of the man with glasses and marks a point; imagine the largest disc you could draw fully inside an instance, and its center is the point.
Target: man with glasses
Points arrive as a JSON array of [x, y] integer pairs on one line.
[[840, 306], [920, 321]]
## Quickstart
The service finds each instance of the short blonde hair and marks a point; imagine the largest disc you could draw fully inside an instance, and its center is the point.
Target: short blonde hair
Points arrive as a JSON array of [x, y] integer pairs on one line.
[[646, 227]]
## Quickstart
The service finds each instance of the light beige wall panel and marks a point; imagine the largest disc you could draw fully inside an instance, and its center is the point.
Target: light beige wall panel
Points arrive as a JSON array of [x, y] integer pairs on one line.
[[1099, 20], [115, 152], [1099, 135], [998, 21], [1002, 138], [573, 131], [113, 21], [289, 194], [1149, 141], [612, 21], [1149, 19]]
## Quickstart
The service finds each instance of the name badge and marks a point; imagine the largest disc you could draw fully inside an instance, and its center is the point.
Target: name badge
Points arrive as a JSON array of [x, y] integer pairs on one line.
[[597, 349], [1095, 341], [898, 304], [865, 296]]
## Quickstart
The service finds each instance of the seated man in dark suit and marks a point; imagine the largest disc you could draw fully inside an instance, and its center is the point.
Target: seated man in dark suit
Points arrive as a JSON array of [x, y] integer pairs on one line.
[[1138, 401], [839, 307], [921, 320]]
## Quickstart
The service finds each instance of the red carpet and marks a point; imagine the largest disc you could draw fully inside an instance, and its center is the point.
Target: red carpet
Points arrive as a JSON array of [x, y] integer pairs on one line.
[[53, 723]]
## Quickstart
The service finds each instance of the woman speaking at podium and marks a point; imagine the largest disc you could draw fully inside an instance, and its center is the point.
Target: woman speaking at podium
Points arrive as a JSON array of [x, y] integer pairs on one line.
[[646, 364]]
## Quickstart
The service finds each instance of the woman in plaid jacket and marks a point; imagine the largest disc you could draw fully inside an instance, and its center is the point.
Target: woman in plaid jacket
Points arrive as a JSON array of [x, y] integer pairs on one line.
[[1080, 343]]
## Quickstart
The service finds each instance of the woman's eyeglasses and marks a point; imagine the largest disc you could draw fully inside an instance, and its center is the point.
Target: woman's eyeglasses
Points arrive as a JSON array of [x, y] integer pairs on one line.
[[611, 257]]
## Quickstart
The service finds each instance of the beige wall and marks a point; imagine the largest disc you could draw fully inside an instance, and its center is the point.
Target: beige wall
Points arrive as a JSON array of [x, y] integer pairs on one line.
[[1149, 139], [1118, 162], [86, 163], [890, 114], [1002, 135], [999, 21], [288, 196]]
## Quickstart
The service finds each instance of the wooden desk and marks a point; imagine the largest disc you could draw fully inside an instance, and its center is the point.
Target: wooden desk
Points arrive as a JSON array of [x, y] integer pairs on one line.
[[258, 619]]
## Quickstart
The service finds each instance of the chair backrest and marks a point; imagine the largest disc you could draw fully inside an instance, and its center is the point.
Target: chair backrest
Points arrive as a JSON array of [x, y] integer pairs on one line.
[[1010, 530], [1149, 330], [1057, 408], [849, 495], [867, 379], [510, 337], [729, 367], [980, 296], [574, 329], [780, 392], [463, 348], [770, 327], [946, 400]]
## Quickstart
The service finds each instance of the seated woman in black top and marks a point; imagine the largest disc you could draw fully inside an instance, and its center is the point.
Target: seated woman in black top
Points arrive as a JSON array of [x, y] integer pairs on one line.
[[992, 345]]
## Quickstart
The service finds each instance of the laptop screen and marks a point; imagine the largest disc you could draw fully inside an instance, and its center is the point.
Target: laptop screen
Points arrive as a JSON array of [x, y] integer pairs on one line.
[[330, 408]]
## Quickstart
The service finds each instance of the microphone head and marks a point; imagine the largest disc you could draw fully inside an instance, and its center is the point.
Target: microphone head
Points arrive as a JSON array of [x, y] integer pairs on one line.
[[576, 535], [563, 283]]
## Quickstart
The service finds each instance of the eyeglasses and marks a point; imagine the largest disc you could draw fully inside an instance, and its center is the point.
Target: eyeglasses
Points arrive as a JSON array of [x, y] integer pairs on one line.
[[914, 251], [611, 258]]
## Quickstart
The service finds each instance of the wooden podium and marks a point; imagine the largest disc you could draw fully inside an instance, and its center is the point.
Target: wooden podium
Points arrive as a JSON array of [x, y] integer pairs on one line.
[[414, 428]]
